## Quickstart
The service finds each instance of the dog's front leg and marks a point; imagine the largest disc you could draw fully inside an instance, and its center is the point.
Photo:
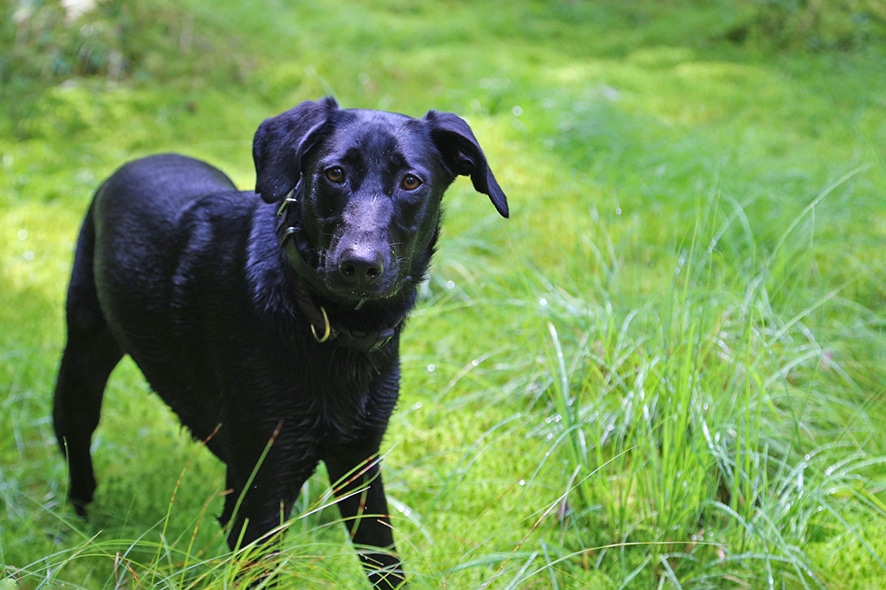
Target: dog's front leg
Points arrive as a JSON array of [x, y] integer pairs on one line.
[[358, 486], [263, 484], [260, 497]]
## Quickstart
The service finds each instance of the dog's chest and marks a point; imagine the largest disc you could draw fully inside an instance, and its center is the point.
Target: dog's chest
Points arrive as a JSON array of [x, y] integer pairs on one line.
[[343, 416], [349, 394]]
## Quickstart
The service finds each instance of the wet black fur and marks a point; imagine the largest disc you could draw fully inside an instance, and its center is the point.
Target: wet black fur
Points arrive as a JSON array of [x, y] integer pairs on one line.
[[185, 274]]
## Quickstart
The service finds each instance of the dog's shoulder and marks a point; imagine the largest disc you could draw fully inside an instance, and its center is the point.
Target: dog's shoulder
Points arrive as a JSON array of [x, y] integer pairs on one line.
[[230, 239], [214, 230]]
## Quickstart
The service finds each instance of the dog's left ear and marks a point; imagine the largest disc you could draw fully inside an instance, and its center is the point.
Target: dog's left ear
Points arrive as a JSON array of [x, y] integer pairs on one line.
[[282, 141], [463, 156]]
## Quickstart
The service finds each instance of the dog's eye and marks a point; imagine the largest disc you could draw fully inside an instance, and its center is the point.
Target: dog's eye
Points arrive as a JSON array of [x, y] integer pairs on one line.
[[335, 174], [410, 182]]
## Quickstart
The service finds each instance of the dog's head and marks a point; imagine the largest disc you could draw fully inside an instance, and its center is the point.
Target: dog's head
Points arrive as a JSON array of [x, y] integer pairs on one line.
[[364, 190]]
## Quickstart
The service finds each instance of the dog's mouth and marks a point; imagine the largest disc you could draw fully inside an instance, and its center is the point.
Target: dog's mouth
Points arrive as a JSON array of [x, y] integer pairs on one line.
[[343, 286]]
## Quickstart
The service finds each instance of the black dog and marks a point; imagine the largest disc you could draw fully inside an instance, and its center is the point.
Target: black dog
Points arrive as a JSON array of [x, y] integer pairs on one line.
[[268, 321]]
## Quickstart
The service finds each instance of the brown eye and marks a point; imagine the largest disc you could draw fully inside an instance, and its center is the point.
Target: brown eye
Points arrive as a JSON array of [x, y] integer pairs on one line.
[[410, 182], [335, 174]]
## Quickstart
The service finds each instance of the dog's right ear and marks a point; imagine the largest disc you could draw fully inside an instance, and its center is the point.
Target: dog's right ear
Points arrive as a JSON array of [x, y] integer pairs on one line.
[[280, 143]]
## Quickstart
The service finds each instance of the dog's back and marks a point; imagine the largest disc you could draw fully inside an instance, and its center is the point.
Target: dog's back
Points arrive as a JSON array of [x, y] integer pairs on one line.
[[134, 225], [151, 192]]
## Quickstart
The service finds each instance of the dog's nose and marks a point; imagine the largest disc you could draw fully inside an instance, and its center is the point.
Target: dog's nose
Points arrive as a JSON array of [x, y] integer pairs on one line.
[[361, 266]]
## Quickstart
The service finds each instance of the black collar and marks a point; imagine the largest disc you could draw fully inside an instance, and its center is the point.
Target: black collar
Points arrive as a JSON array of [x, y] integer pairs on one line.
[[324, 330]]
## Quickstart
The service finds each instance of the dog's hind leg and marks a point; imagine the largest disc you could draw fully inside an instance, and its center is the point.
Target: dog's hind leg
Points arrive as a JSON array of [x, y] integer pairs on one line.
[[90, 355]]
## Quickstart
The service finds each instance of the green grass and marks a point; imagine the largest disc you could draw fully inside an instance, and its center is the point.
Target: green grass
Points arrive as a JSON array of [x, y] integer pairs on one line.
[[666, 370]]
